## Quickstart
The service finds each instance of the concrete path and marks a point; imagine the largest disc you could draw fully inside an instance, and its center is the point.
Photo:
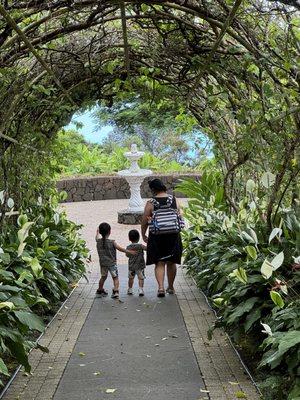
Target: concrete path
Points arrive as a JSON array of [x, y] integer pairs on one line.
[[145, 348]]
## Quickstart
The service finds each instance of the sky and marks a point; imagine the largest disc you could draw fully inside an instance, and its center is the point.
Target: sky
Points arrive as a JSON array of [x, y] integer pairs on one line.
[[89, 130]]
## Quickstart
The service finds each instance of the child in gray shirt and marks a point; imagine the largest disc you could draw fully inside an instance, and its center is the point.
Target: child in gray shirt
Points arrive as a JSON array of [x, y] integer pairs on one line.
[[136, 263]]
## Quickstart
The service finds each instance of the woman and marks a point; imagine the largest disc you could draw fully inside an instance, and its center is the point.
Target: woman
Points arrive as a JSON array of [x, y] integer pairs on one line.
[[165, 249]]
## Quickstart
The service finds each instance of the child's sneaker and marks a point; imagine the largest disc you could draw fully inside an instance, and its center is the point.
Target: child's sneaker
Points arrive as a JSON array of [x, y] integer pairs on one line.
[[115, 294], [141, 292], [130, 291], [102, 292]]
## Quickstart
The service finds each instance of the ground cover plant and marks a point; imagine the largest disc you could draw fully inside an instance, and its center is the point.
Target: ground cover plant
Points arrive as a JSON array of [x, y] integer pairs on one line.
[[252, 278], [41, 258]]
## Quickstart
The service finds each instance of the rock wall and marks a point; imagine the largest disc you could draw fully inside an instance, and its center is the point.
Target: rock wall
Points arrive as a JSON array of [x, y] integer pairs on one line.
[[114, 187]]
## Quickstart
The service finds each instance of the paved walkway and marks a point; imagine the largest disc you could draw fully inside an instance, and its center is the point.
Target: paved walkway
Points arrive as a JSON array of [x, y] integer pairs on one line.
[[145, 348]]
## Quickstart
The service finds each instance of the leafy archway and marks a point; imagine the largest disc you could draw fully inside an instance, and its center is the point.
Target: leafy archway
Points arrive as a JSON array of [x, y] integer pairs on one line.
[[232, 66]]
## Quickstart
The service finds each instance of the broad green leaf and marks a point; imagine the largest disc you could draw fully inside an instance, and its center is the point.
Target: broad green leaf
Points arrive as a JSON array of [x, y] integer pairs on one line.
[[252, 318], [275, 232], [10, 203], [23, 232], [277, 260], [3, 368], [240, 274], [21, 248], [35, 266], [5, 258], [266, 269], [277, 299], [7, 304], [268, 179], [56, 218], [250, 185], [22, 219], [251, 251], [31, 320]]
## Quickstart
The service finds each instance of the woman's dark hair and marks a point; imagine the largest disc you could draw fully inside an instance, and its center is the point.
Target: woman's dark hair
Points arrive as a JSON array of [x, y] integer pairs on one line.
[[157, 186], [134, 235], [104, 230]]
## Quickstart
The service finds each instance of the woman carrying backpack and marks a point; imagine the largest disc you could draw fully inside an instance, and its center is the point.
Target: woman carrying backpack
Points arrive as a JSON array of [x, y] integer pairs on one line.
[[164, 247]]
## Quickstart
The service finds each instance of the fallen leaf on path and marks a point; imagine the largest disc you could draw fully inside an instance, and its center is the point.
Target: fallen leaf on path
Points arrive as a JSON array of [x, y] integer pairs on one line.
[[164, 338], [173, 336], [81, 365], [240, 395], [138, 310], [81, 354], [147, 337], [204, 391], [148, 356], [97, 373], [110, 390], [233, 383], [107, 329], [156, 344]]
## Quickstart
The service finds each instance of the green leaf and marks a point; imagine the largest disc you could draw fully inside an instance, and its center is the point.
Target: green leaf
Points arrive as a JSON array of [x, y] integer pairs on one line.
[[242, 309], [275, 232], [252, 318], [10, 203], [18, 351], [268, 179], [277, 299], [3, 368], [251, 251], [250, 185], [36, 267], [7, 304], [277, 261], [22, 219], [31, 320], [266, 269]]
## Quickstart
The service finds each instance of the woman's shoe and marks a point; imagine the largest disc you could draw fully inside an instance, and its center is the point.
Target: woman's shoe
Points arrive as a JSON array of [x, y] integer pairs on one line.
[[161, 293], [115, 294], [170, 291], [102, 292]]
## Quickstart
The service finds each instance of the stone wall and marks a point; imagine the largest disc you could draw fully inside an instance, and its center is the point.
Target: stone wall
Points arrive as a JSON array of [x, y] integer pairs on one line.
[[114, 187]]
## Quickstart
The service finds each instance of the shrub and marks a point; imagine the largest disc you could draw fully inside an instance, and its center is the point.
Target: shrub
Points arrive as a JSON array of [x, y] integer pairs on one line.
[[41, 256]]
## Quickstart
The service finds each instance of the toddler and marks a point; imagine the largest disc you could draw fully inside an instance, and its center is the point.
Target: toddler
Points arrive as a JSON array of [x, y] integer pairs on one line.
[[136, 262], [107, 252]]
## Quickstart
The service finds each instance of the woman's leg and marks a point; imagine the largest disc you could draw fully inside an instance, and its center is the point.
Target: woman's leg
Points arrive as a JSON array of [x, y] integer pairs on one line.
[[160, 274], [171, 274]]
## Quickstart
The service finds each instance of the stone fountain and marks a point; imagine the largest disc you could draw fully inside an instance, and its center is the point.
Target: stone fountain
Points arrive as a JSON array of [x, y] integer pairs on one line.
[[134, 176]]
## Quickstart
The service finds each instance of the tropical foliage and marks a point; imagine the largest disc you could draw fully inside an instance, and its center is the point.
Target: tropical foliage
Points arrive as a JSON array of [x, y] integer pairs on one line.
[[75, 157], [41, 258], [252, 277]]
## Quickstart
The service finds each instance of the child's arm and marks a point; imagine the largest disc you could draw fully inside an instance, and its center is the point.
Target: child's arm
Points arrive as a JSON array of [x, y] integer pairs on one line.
[[97, 235], [132, 252], [144, 247]]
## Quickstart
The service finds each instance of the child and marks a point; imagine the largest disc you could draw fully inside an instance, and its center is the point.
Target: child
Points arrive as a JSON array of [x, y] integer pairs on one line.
[[136, 263], [107, 252]]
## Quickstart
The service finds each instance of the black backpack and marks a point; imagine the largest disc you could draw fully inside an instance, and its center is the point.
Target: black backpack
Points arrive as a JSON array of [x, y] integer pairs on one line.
[[165, 219]]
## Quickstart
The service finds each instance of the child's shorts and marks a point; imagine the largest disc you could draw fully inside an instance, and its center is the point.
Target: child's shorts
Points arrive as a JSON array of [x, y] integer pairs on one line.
[[112, 270], [139, 272]]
